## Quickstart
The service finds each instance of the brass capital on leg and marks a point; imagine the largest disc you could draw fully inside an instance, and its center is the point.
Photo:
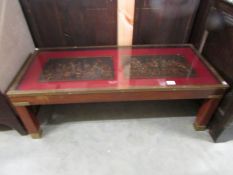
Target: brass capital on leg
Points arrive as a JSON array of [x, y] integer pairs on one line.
[[36, 135], [198, 127]]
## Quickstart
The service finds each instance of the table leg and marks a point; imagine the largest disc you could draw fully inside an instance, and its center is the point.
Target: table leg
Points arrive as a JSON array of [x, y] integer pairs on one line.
[[205, 113], [29, 120]]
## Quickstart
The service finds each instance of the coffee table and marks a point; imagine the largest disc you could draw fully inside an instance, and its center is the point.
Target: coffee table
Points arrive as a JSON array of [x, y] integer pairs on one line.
[[110, 74]]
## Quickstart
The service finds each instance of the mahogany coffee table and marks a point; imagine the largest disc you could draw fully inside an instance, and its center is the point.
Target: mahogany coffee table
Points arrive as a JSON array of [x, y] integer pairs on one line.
[[108, 74]]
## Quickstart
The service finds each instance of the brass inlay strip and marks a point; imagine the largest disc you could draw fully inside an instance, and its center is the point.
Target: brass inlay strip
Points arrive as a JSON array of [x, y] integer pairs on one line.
[[18, 93], [21, 104], [215, 96], [199, 127], [37, 135]]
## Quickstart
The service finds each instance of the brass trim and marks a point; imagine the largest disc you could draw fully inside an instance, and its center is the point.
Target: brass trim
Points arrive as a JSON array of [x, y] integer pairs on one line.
[[199, 127], [21, 104], [19, 93], [215, 96], [37, 135]]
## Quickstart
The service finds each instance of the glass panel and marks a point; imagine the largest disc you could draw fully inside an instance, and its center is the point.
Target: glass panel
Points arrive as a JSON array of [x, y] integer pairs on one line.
[[116, 68]]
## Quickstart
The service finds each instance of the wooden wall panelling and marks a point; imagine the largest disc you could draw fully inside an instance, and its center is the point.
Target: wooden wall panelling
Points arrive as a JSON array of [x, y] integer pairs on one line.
[[200, 22], [164, 21], [56, 23], [218, 46]]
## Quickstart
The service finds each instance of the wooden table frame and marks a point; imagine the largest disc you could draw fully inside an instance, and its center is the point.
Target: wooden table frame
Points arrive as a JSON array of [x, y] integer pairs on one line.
[[21, 100]]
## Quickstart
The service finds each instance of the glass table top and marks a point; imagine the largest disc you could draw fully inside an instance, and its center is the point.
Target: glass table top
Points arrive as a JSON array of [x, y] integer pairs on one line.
[[119, 68]]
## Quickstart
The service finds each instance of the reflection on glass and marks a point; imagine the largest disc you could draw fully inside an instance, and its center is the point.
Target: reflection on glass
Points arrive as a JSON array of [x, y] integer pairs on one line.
[[230, 1], [121, 68]]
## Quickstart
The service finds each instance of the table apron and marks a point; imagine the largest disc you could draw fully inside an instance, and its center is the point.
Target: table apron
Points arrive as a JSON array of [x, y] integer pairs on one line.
[[41, 99]]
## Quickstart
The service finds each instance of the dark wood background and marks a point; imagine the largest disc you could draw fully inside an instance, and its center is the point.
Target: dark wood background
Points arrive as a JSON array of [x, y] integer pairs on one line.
[[219, 44], [199, 25], [163, 21], [57, 23]]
